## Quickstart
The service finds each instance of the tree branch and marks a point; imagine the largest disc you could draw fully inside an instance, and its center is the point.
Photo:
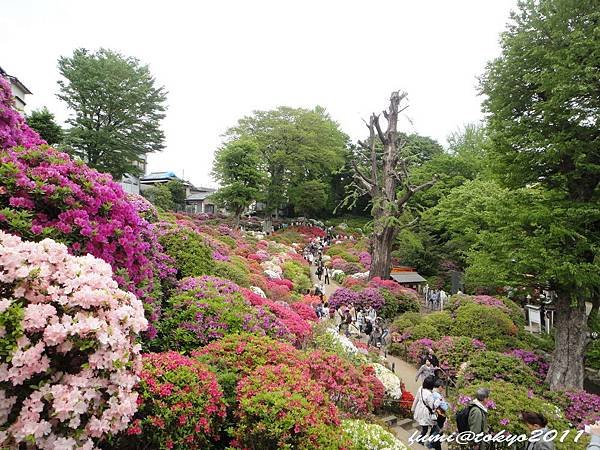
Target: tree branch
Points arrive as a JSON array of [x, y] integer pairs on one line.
[[375, 120], [367, 182]]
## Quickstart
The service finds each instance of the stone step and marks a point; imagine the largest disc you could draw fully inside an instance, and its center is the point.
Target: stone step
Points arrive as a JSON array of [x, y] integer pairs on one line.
[[403, 435], [390, 420], [407, 423]]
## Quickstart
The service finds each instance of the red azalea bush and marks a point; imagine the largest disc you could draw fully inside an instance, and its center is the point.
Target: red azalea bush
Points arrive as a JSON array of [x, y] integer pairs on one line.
[[281, 407], [354, 283], [289, 318], [352, 390], [44, 193], [277, 292], [181, 405], [305, 311], [287, 283]]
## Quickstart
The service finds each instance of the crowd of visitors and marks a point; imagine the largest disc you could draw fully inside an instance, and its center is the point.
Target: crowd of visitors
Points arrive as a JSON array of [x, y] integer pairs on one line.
[[435, 299]]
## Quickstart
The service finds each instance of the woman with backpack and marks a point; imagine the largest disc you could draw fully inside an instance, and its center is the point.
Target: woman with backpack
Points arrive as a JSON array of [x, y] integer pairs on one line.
[[423, 407], [537, 424]]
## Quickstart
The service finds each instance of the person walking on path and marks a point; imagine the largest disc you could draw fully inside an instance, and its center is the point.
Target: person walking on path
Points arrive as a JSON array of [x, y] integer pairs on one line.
[[478, 422], [425, 371], [441, 410], [326, 275], [423, 406], [537, 423]]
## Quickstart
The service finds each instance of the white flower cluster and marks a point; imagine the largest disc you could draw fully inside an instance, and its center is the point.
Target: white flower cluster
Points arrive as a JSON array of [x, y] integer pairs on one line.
[[371, 436], [390, 381], [360, 275], [258, 291]]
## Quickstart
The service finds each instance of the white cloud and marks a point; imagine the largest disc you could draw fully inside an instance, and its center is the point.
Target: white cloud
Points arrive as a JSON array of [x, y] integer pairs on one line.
[[221, 60]]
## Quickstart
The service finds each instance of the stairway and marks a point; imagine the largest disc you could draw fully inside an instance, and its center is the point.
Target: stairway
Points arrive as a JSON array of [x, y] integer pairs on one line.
[[403, 429]]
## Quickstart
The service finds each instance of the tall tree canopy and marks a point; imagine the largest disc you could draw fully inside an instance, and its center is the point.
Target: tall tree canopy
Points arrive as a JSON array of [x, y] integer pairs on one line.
[[296, 145], [238, 169], [44, 123], [543, 105], [117, 109]]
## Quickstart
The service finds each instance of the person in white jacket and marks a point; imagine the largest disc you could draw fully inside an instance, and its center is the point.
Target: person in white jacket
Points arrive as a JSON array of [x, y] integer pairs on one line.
[[423, 407]]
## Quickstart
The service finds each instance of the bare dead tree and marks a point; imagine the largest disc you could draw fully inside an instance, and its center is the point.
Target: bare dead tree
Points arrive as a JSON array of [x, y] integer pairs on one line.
[[384, 176]]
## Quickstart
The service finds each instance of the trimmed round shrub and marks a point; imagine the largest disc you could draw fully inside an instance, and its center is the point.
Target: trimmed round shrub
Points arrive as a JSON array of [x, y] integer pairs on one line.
[[45, 194], [67, 346], [487, 324], [490, 365], [397, 304], [453, 351], [370, 436], [181, 405], [440, 320], [192, 256], [367, 297], [233, 271], [280, 407], [405, 321]]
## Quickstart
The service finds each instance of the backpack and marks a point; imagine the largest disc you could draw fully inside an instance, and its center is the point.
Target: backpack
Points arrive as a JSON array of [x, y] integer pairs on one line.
[[462, 419]]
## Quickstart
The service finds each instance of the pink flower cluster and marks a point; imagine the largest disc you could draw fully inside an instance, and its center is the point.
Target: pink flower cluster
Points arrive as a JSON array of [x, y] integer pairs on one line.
[[70, 374], [74, 204], [13, 129]]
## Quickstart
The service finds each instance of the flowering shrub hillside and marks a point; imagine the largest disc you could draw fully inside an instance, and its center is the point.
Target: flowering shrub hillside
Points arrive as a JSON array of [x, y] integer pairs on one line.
[[43, 193], [67, 345], [207, 308]]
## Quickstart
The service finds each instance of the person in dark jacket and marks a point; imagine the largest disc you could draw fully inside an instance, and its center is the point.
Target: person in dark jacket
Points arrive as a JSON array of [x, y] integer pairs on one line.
[[478, 422], [537, 422]]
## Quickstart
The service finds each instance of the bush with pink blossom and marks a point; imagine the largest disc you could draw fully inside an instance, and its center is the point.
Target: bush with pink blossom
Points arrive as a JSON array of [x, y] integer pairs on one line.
[[45, 194], [207, 308], [14, 131], [68, 347], [181, 406]]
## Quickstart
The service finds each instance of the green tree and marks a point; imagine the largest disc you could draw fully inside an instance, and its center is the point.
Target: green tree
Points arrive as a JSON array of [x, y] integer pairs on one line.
[[178, 193], [238, 168], [117, 110], [309, 198], [160, 196], [44, 123], [295, 145], [543, 104]]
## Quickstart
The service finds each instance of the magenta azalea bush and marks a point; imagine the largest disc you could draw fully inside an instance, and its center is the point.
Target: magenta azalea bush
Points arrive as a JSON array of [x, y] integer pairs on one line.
[[538, 362], [67, 346], [583, 408], [13, 129], [44, 193], [367, 297]]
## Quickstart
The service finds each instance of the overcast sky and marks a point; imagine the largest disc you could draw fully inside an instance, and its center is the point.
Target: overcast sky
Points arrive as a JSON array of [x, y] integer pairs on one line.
[[220, 60]]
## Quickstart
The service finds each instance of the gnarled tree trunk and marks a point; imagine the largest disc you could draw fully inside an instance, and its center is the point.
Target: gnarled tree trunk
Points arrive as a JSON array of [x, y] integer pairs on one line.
[[381, 252], [387, 178], [566, 370]]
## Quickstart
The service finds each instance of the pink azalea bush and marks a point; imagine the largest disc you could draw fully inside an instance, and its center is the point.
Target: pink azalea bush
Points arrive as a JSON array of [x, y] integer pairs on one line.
[[44, 193], [14, 131], [68, 347]]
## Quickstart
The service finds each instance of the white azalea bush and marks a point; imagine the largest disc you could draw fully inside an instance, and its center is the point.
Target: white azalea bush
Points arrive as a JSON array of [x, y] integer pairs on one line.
[[369, 436], [360, 276], [390, 381], [68, 348]]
